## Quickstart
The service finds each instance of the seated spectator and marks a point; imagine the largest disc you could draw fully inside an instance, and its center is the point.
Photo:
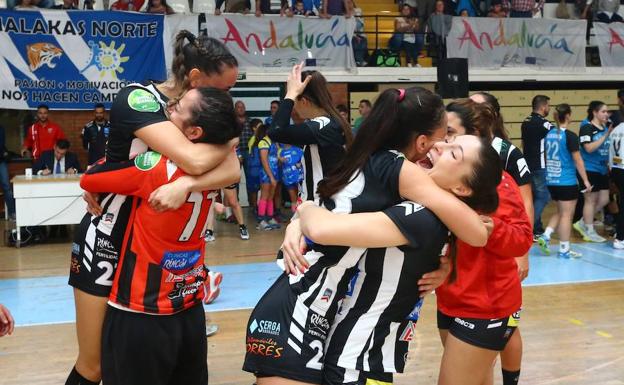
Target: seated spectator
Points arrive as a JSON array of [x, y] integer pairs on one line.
[[233, 6], [67, 4], [359, 41], [127, 5], [57, 161], [523, 8], [159, 6], [336, 8], [497, 9], [406, 36]]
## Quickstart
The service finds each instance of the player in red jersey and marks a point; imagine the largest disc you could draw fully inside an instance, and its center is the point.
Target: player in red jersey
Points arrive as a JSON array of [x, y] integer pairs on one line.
[[478, 311], [154, 328]]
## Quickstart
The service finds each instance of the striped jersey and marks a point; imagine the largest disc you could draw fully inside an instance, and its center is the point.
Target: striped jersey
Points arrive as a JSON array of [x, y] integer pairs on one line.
[[376, 320], [100, 237], [512, 161], [374, 188], [616, 152], [322, 140], [161, 266], [560, 167]]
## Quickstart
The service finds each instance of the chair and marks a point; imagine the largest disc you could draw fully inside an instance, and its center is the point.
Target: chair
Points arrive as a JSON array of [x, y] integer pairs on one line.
[[204, 6], [179, 6]]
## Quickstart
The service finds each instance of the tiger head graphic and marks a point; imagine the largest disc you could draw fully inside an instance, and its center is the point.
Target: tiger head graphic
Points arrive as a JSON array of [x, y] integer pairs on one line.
[[42, 53]]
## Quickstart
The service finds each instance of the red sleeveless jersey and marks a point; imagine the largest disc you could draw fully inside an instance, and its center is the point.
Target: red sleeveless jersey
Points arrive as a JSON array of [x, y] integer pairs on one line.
[[161, 264]]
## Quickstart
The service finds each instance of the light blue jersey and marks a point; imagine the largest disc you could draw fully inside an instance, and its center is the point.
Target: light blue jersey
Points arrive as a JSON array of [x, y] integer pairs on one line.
[[597, 160], [560, 168]]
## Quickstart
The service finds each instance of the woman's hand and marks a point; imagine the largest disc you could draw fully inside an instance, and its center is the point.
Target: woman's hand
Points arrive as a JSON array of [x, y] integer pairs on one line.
[[293, 248], [432, 280], [294, 85], [523, 267], [93, 207], [7, 323], [170, 196]]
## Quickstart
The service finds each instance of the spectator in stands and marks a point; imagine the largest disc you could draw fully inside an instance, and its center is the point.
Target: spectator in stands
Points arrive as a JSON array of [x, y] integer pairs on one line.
[[406, 36], [469, 6], [464, 13], [344, 112], [26, 5], [67, 4], [497, 9], [534, 130], [523, 8], [4, 176], [336, 8], [274, 106], [266, 6], [618, 116], [439, 24], [57, 161], [41, 135], [424, 9], [359, 41], [299, 9], [606, 12], [246, 133], [233, 6], [95, 134], [159, 6], [365, 108], [127, 5]]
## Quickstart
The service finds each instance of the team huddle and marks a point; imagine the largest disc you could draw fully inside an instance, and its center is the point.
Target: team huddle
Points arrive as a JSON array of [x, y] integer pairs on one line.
[[424, 197]]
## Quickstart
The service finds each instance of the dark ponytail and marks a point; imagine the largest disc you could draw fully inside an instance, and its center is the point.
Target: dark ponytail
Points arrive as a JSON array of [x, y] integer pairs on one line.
[[317, 92], [202, 52], [397, 117], [477, 118], [561, 111], [498, 128]]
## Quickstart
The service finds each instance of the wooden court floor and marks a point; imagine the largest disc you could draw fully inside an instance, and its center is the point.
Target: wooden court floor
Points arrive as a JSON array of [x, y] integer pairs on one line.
[[573, 334]]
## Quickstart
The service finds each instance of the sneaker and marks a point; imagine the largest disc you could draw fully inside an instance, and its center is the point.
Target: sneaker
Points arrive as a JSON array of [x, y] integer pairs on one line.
[[617, 244], [594, 237], [544, 244], [569, 254], [273, 223], [211, 286], [211, 329], [209, 236], [244, 233], [536, 237], [579, 226], [263, 225]]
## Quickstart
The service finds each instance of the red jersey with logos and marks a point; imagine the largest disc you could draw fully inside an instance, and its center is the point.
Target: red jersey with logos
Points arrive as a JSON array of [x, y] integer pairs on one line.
[[161, 266], [487, 284], [42, 137]]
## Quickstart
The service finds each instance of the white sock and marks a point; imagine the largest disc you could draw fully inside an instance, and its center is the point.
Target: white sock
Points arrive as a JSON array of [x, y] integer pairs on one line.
[[564, 246], [590, 228], [548, 232]]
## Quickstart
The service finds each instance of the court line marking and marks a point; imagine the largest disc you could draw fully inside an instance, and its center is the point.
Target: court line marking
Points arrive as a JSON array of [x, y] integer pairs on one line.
[[578, 374]]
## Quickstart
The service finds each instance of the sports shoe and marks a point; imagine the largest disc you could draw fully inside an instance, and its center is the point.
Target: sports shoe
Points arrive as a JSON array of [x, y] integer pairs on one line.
[[244, 233], [594, 237], [617, 244], [211, 286], [569, 254], [536, 237], [209, 236], [273, 223], [263, 225], [579, 226], [211, 329], [544, 244]]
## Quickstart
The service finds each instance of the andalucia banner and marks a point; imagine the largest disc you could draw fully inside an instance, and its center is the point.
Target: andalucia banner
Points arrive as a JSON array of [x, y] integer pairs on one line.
[[74, 59], [517, 42], [274, 43]]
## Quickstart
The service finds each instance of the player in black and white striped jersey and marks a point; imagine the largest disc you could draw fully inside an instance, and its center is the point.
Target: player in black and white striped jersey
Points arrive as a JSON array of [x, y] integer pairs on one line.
[[372, 177], [323, 134], [370, 335]]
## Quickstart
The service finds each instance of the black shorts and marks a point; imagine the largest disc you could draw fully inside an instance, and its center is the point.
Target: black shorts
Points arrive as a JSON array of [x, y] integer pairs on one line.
[[597, 180], [333, 375], [94, 258], [491, 334], [564, 193], [140, 348], [285, 338]]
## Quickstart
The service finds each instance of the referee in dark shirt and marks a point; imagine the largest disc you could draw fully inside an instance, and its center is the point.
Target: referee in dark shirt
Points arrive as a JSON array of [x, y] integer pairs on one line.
[[534, 130]]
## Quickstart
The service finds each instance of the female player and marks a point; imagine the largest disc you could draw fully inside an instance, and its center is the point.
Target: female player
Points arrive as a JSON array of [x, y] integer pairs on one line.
[[563, 160], [403, 124], [594, 139], [268, 178], [369, 337], [292, 171], [324, 133], [484, 120], [139, 121]]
